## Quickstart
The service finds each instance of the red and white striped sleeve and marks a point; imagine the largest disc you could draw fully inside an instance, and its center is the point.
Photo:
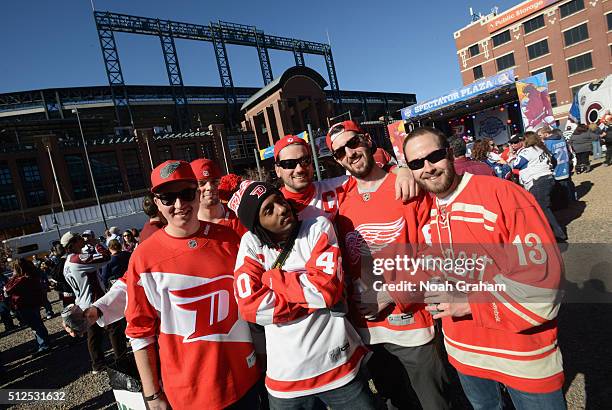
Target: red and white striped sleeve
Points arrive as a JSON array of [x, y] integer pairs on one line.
[[531, 270], [142, 318], [320, 284], [258, 303]]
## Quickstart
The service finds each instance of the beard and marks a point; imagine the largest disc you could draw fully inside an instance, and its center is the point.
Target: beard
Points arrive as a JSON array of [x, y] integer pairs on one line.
[[365, 168], [444, 179]]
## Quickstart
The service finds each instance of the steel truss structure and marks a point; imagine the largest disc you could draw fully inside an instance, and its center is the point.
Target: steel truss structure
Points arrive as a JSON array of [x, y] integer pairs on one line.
[[219, 34]]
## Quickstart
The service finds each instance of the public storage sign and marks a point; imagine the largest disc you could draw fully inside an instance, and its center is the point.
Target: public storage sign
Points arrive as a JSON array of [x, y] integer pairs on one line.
[[464, 93], [517, 13]]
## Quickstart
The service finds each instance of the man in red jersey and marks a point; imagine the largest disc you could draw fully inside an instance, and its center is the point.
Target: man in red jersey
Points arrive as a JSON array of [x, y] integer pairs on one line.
[[212, 209], [181, 310], [507, 335], [294, 166], [370, 220], [111, 307]]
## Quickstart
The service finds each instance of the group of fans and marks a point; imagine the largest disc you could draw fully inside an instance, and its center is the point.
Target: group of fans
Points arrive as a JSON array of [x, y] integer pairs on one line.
[[277, 281]]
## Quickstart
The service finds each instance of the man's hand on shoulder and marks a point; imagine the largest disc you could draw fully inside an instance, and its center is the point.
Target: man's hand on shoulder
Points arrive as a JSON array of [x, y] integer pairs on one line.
[[406, 187]]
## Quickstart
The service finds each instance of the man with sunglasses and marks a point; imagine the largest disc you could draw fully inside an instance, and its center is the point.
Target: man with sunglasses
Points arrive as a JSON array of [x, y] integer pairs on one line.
[[181, 311], [294, 166], [372, 222], [509, 336]]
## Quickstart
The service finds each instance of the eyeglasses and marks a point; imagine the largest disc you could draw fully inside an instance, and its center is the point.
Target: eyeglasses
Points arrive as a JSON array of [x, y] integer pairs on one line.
[[293, 163], [433, 157], [169, 198], [353, 143]]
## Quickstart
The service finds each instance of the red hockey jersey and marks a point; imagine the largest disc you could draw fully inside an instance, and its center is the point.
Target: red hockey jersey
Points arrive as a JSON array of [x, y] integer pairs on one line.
[[180, 292], [309, 348], [368, 223], [320, 198], [511, 335]]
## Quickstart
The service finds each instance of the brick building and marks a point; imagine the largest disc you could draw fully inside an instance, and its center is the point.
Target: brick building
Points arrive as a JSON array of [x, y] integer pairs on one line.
[[570, 41]]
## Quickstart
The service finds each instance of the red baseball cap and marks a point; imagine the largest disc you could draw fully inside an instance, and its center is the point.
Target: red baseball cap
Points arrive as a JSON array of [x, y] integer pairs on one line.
[[286, 141], [171, 171], [339, 128], [204, 168]]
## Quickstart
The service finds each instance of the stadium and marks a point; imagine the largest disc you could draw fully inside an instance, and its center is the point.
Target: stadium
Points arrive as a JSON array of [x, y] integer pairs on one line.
[[131, 128]]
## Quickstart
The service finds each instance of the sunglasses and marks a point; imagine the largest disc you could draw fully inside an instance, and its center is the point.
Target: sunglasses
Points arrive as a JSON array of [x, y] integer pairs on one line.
[[353, 143], [169, 198], [433, 157], [293, 163]]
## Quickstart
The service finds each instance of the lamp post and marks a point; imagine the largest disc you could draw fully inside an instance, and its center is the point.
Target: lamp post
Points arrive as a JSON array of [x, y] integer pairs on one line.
[[47, 143], [93, 182]]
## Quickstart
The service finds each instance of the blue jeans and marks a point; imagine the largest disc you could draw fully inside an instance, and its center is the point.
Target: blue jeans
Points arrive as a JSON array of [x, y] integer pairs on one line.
[[352, 396], [485, 394], [31, 318], [596, 149], [541, 190]]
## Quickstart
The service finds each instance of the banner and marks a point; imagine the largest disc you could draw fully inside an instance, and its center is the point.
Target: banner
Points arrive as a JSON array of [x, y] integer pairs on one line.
[[517, 13], [457, 127], [269, 151], [492, 124], [397, 133], [536, 108], [464, 93]]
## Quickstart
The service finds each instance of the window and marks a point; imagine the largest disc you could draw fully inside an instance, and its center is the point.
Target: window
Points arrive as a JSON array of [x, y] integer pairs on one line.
[[553, 99], [576, 34], [580, 63], [32, 182], [79, 176], [477, 72], [8, 197], [571, 7], [241, 146], [133, 169], [208, 149], [5, 175], [538, 49], [504, 62], [106, 173], [186, 152], [533, 24], [501, 38], [575, 89], [609, 17], [474, 50], [547, 70], [8, 202]]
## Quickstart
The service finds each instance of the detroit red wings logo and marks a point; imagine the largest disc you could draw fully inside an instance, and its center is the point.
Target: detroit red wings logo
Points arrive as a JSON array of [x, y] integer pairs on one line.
[[195, 308], [372, 237], [214, 304], [258, 191]]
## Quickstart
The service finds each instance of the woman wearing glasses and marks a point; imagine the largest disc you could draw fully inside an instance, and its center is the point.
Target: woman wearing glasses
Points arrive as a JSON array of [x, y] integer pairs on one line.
[[129, 242]]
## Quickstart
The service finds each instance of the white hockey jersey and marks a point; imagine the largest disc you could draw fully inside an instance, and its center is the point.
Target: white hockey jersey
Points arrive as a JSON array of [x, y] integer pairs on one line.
[[309, 348]]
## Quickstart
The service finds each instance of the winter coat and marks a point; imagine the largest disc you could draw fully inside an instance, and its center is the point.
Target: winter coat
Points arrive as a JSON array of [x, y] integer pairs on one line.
[[25, 292], [583, 142]]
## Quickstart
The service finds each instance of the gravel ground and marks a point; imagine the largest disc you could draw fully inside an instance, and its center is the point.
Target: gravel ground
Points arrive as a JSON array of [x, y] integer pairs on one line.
[[584, 332]]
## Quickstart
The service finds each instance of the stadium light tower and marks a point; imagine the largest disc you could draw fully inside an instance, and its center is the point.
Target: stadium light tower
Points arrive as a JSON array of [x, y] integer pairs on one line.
[[93, 182]]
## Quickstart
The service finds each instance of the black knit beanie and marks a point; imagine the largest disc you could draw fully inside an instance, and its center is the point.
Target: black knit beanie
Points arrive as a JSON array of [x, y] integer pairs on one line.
[[252, 198]]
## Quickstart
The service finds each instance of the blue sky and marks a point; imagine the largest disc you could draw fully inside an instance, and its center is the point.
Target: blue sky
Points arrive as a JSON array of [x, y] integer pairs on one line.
[[378, 45]]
